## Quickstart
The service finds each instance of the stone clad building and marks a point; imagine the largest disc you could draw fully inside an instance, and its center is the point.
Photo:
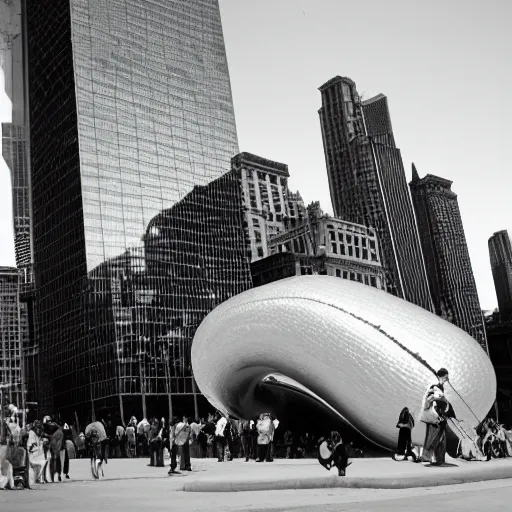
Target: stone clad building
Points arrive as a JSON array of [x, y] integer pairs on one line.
[[270, 206], [325, 245]]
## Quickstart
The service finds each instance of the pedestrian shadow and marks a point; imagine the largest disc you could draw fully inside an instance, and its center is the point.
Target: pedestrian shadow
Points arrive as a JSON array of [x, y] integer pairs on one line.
[[445, 465]]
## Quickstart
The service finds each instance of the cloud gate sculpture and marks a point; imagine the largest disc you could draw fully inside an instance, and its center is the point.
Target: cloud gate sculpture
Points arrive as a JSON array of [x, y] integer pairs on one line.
[[359, 351]]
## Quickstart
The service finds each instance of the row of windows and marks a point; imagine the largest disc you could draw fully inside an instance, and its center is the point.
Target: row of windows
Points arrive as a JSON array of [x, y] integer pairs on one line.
[[354, 252], [357, 276], [350, 239]]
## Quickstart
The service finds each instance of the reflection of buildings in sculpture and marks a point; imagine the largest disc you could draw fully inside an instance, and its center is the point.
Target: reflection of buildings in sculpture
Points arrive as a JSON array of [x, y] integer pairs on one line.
[[368, 185], [323, 245], [146, 304], [446, 254], [270, 206], [500, 254], [117, 135], [13, 334], [15, 151]]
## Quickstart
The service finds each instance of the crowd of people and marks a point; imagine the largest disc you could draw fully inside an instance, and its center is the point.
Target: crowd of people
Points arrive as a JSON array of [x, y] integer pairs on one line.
[[44, 448], [41, 451]]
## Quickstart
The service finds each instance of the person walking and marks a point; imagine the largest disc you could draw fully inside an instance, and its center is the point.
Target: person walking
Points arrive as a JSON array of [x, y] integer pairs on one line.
[[220, 437], [404, 447], [173, 451], [53, 431], [436, 410], [183, 433], [246, 439]]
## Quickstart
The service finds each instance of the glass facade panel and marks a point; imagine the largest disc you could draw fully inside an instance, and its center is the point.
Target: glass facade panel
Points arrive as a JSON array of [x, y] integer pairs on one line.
[[131, 109]]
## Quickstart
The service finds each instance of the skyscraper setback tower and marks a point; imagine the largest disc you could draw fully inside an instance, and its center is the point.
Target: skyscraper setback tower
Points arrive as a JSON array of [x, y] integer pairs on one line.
[[368, 185], [446, 254], [130, 108], [500, 253]]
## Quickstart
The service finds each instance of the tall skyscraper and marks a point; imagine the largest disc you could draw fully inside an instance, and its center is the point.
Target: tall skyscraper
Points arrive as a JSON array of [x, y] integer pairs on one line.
[[500, 253], [130, 108], [446, 254], [368, 184], [15, 151]]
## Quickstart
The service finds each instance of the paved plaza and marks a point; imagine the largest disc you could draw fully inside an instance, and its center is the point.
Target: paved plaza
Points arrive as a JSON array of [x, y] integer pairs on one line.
[[372, 484]]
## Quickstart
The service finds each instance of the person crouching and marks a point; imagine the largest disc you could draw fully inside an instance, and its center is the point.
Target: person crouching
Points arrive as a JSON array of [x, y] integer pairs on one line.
[[332, 452]]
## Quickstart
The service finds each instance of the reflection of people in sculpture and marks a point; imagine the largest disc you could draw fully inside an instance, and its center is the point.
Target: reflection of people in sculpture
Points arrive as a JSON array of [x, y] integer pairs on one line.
[[435, 411], [404, 447]]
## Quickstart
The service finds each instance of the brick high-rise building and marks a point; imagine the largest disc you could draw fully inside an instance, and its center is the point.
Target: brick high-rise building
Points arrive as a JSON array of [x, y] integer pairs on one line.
[[500, 253], [368, 184], [446, 254]]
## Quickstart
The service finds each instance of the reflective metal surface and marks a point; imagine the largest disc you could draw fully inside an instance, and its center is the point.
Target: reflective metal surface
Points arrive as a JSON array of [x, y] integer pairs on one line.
[[366, 353]]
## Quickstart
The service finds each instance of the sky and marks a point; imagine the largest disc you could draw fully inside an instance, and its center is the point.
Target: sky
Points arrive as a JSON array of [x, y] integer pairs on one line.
[[444, 66]]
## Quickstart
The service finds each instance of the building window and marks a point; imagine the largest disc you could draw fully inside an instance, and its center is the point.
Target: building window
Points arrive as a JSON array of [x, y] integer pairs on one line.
[[255, 222], [279, 217], [372, 244], [350, 250], [365, 254], [338, 272], [273, 179], [296, 245], [366, 279], [349, 239], [332, 235], [342, 249], [270, 217], [373, 281], [334, 247], [260, 252], [363, 241], [356, 240], [345, 274], [352, 276], [374, 257], [340, 236], [359, 278], [261, 176], [357, 252]]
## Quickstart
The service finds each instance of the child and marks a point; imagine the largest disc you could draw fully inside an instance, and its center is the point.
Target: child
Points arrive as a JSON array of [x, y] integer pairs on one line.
[[404, 447]]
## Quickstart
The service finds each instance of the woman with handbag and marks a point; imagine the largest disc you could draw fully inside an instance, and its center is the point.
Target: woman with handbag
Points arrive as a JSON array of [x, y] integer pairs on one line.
[[435, 412]]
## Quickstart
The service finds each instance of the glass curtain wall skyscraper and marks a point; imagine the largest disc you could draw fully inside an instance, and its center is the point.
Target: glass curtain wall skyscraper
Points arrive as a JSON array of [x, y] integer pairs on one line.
[[368, 185], [130, 108]]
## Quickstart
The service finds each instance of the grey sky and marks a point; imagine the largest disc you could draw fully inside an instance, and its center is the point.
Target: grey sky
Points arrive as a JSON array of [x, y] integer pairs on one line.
[[444, 66]]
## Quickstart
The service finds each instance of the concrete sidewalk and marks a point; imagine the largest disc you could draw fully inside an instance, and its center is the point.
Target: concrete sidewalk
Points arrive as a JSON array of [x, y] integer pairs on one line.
[[363, 473], [208, 475]]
